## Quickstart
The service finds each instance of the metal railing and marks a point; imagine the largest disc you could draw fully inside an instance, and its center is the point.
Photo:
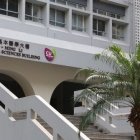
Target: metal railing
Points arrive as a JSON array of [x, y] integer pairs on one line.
[[118, 37], [93, 100], [65, 2], [102, 12], [57, 23], [99, 33], [77, 28], [33, 18], [111, 118]]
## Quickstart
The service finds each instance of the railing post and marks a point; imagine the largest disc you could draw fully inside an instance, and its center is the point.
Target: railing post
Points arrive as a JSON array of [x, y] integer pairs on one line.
[[8, 112], [31, 114], [56, 136], [110, 120]]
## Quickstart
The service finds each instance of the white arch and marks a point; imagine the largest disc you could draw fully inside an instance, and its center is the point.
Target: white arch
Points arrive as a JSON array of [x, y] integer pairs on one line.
[[26, 86]]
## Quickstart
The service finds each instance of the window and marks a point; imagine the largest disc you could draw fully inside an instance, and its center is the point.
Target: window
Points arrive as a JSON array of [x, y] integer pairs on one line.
[[117, 31], [33, 12], [57, 17], [99, 27], [9, 7], [78, 22]]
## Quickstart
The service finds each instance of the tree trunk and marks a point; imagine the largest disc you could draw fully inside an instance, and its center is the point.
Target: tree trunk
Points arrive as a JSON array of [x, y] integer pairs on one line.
[[134, 119], [137, 134]]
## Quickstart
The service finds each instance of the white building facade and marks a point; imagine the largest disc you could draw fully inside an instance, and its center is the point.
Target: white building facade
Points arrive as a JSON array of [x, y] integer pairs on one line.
[[44, 42], [137, 20]]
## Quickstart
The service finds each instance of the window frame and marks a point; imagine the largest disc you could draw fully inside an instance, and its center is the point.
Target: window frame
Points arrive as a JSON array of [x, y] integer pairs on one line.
[[97, 31], [76, 26], [37, 19], [117, 35], [55, 22], [7, 11]]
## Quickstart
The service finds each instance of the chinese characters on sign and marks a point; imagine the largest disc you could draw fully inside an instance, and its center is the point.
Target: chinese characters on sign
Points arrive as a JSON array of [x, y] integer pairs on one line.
[[17, 49]]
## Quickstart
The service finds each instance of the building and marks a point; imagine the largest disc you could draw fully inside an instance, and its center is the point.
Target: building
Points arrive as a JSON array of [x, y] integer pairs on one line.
[[44, 42], [137, 21]]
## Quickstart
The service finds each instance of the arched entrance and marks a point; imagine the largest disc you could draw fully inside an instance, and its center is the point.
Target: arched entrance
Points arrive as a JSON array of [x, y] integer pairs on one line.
[[63, 96], [12, 85]]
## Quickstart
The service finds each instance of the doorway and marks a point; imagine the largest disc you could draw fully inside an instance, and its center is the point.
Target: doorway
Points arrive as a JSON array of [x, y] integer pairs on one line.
[[63, 96]]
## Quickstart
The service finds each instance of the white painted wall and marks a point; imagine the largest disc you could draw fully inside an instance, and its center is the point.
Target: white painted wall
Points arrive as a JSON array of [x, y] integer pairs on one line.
[[67, 34], [43, 78]]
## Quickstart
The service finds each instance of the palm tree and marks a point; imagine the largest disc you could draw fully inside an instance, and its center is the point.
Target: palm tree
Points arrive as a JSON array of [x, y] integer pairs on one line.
[[113, 87]]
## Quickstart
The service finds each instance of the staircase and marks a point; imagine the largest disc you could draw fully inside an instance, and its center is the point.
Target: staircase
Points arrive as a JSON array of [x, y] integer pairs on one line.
[[97, 134], [92, 131], [33, 118], [29, 117]]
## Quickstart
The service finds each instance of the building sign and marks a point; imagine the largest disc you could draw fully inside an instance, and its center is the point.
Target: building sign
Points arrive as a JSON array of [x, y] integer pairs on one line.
[[16, 49], [49, 54]]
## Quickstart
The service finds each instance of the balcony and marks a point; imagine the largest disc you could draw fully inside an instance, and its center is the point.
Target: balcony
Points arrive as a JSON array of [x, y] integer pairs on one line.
[[108, 9], [80, 4], [105, 13]]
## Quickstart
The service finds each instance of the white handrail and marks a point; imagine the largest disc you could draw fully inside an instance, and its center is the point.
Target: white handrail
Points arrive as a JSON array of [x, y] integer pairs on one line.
[[112, 105], [61, 126]]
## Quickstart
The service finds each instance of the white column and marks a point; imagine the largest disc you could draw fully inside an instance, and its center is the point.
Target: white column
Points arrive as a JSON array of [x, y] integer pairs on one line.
[[90, 8], [90, 5], [22, 10], [90, 25], [109, 30], [69, 21], [47, 14]]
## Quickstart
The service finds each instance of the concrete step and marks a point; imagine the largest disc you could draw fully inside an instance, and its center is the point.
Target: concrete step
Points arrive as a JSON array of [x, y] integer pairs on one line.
[[92, 131], [108, 136], [103, 138]]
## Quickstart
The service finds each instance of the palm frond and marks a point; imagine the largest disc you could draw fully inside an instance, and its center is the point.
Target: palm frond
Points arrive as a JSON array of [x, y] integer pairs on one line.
[[98, 78], [84, 96], [101, 107], [121, 58], [86, 120], [137, 52], [106, 89], [84, 73], [107, 58]]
